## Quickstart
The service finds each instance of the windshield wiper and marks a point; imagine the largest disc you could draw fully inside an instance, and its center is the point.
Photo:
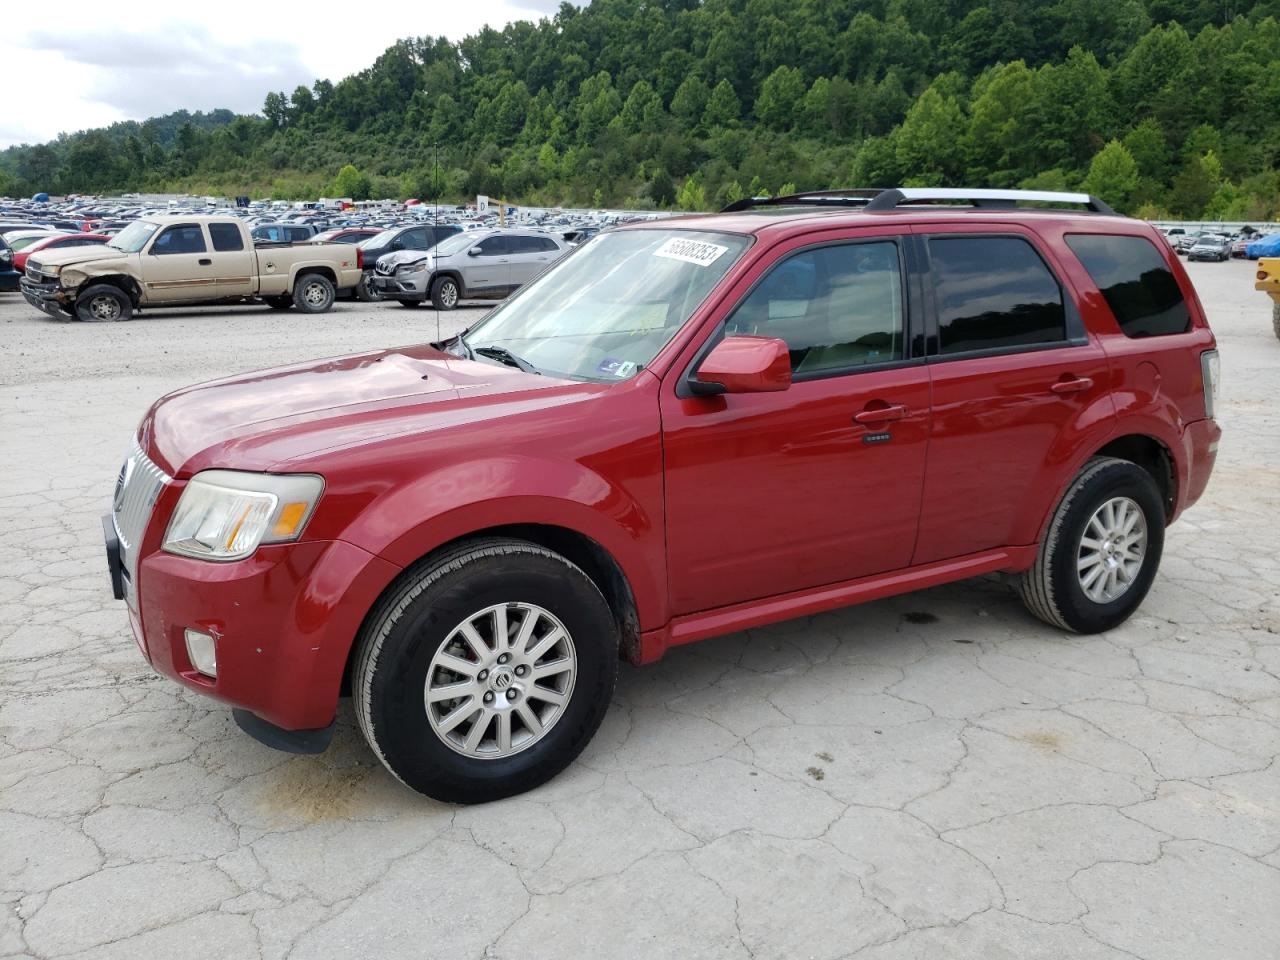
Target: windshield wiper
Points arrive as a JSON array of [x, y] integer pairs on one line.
[[506, 356]]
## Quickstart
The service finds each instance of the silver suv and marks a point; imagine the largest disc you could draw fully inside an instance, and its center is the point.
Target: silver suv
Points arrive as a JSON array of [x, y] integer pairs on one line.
[[477, 263]]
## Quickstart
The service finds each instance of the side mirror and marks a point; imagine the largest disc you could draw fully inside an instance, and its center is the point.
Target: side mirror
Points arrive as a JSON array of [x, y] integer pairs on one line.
[[473, 252], [744, 365]]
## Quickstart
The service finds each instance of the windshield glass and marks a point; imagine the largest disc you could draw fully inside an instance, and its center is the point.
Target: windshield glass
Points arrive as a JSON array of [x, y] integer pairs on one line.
[[382, 239], [133, 237], [605, 311], [21, 242]]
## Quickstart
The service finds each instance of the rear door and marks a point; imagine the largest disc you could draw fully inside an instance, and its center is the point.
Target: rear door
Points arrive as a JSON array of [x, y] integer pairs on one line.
[[529, 255], [769, 493], [233, 265], [1014, 374], [177, 265]]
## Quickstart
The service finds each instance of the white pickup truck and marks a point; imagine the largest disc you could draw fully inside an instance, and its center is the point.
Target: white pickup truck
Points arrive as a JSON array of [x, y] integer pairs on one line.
[[176, 261]]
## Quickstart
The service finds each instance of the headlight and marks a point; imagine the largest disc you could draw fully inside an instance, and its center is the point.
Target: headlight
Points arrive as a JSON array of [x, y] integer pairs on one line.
[[225, 514], [72, 278], [420, 267]]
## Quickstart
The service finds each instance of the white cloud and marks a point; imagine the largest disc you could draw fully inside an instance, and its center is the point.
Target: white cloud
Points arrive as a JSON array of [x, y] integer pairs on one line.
[[99, 63]]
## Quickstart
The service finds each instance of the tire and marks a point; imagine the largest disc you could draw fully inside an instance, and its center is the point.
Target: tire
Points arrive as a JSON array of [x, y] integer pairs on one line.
[[278, 303], [313, 293], [411, 304], [1275, 318], [445, 293], [1053, 589], [365, 291], [103, 303], [421, 615]]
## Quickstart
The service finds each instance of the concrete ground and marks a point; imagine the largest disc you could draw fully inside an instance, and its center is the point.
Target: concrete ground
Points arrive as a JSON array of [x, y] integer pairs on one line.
[[934, 776]]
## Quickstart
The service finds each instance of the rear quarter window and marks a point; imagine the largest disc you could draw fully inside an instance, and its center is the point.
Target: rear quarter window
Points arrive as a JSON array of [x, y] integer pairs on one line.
[[1135, 281]]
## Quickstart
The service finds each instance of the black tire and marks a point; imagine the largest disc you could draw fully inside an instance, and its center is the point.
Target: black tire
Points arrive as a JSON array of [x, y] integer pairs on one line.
[[279, 303], [445, 293], [411, 304], [365, 291], [1275, 318], [103, 303], [416, 618], [313, 293], [1052, 589]]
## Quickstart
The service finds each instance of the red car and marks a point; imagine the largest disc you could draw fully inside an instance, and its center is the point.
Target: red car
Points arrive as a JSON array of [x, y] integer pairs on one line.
[[57, 242], [346, 235], [682, 429]]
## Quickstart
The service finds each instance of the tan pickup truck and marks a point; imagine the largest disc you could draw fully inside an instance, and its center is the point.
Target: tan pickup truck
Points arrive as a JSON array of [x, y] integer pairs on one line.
[[176, 261]]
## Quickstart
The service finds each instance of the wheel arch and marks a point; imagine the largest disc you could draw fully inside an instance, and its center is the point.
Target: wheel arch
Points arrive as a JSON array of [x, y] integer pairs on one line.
[[1151, 455], [122, 281], [454, 275], [326, 272]]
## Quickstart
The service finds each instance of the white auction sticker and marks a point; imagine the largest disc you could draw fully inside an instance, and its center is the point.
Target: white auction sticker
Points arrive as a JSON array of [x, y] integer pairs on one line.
[[691, 251]]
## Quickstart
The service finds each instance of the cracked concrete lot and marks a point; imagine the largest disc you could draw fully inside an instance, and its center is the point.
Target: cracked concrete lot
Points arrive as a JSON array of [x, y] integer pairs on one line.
[[934, 776]]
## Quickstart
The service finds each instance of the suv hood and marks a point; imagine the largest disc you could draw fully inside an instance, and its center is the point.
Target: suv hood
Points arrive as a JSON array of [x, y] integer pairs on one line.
[[393, 260], [290, 415]]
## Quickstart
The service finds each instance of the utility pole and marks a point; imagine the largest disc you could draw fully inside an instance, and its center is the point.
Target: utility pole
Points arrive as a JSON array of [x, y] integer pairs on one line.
[[435, 182]]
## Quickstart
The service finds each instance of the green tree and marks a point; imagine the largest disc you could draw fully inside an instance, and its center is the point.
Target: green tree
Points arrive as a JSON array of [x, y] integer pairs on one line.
[[928, 146], [693, 196], [723, 107], [350, 182], [778, 105], [597, 103], [662, 190], [642, 111], [1113, 175], [689, 101]]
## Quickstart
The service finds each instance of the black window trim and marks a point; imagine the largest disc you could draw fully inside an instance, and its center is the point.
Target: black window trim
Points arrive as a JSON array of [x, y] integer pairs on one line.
[[912, 339], [1074, 328]]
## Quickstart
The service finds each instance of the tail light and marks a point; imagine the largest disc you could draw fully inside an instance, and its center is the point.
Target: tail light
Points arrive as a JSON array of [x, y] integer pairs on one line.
[[359, 258], [1210, 370]]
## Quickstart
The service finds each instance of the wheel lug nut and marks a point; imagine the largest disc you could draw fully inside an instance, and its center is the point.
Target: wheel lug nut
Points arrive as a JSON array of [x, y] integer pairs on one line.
[[511, 694], [484, 675], [521, 670], [504, 658], [488, 698]]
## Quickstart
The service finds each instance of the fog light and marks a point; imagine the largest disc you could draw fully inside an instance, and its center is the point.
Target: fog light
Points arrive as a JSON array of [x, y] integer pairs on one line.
[[202, 652]]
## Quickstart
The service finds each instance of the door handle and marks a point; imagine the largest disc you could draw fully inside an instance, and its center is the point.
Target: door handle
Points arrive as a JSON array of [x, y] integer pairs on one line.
[[1075, 385], [206, 262], [881, 414]]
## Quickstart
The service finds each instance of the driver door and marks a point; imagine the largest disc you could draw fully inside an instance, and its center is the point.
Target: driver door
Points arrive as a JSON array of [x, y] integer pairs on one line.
[[178, 266], [769, 493]]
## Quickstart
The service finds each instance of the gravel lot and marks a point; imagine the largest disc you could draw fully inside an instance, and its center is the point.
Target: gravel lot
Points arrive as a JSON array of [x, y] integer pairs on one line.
[[935, 776]]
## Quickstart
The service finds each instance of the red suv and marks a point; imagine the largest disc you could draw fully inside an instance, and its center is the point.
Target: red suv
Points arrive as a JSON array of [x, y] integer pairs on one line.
[[685, 428]]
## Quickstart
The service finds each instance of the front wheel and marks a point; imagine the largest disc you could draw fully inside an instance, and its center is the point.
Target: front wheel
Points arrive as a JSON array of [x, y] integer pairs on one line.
[[1275, 318], [1101, 553], [485, 670], [445, 293], [366, 292], [103, 303], [313, 293]]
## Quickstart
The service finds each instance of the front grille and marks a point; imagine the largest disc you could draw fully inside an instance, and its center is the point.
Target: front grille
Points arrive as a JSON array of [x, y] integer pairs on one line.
[[137, 488], [385, 269]]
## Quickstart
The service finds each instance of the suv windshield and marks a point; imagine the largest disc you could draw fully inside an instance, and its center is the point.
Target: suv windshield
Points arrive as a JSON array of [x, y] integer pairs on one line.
[[382, 239], [457, 242], [133, 237], [604, 312]]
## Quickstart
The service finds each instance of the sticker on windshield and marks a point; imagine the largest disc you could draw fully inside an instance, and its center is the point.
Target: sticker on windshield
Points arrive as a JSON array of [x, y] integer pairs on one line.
[[616, 368], [691, 251]]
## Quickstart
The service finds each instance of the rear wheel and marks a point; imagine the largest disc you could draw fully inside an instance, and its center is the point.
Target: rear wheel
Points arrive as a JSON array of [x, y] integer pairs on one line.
[[313, 293], [1275, 318], [485, 670], [365, 290], [1101, 552], [445, 293], [103, 303]]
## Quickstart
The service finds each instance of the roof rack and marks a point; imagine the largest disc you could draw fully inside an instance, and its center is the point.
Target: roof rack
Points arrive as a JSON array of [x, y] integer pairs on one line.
[[906, 196], [848, 197]]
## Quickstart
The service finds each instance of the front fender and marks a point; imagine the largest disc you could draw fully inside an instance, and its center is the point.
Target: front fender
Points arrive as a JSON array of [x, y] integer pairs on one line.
[[470, 497]]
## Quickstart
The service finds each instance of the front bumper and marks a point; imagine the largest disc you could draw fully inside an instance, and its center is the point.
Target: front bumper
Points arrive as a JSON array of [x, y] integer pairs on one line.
[[402, 287], [49, 297], [283, 621]]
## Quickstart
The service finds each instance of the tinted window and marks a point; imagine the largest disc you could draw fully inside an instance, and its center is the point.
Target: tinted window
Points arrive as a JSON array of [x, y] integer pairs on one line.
[[837, 306], [416, 239], [184, 238], [993, 292], [1136, 282], [547, 245], [524, 244], [225, 236], [299, 234], [494, 246]]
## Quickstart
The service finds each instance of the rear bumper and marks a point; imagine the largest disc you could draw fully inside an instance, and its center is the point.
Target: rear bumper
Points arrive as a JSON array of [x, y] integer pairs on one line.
[[283, 622], [1200, 449]]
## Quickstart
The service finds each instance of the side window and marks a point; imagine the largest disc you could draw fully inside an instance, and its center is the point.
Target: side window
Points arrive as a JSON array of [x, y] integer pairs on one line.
[[993, 292], [226, 237], [524, 245], [1135, 281], [180, 238], [547, 245], [494, 246], [836, 307], [417, 239], [299, 234]]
